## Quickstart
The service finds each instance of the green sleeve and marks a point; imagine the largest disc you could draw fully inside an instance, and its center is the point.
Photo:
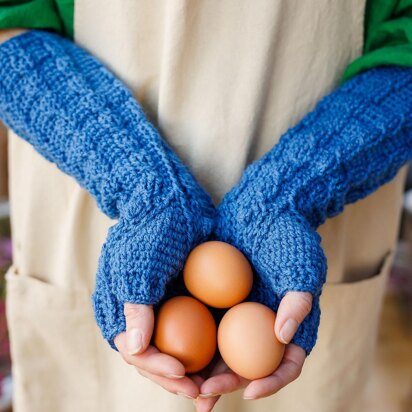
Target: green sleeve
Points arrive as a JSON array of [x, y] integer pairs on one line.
[[56, 15], [388, 36]]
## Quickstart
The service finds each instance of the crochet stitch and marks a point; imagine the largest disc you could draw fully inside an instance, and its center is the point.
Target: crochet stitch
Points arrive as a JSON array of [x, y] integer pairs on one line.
[[355, 140], [79, 116]]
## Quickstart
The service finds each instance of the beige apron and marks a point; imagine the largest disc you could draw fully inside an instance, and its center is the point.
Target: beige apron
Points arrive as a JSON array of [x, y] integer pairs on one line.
[[222, 80]]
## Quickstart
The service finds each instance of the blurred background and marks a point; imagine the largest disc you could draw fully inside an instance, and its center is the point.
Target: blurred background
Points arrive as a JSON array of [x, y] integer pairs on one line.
[[5, 262], [390, 383]]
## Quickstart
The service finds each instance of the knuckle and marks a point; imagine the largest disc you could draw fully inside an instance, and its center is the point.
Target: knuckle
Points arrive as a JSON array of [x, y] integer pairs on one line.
[[131, 310], [134, 313], [305, 304], [294, 371], [297, 372]]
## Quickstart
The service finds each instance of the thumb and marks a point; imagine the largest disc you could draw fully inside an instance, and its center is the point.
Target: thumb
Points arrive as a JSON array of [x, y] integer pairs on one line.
[[139, 327], [293, 309]]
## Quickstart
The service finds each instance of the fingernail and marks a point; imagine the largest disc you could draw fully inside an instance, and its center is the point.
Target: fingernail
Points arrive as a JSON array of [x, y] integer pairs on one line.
[[173, 376], [208, 395], [134, 341], [288, 330], [249, 397], [185, 395]]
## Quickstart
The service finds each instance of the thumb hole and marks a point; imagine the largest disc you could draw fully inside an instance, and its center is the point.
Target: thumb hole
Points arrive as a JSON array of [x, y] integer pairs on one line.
[[293, 309], [139, 327]]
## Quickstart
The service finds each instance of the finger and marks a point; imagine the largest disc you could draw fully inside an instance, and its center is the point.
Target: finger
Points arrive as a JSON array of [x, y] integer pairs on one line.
[[139, 327], [207, 400], [288, 371], [206, 404], [203, 404], [222, 380], [223, 383], [151, 360], [293, 309], [182, 387]]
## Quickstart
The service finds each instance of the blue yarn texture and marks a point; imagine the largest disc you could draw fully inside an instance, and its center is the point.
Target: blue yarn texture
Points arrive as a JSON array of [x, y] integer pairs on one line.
[[355, 140], [76, 114]]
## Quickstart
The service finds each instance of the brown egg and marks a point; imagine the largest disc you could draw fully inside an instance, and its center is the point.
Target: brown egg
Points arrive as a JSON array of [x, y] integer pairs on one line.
[[186, 330], [218, 274], [247, 341]]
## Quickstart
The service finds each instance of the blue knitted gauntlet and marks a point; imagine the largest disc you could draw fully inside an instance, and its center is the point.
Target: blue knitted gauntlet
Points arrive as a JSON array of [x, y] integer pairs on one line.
[[78, 115], [355, 140]]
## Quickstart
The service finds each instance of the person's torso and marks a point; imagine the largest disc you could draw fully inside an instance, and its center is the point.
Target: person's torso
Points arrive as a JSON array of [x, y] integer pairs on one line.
[[222, 80]]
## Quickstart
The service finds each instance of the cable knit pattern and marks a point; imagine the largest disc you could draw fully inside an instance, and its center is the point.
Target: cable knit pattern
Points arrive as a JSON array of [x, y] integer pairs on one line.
[[355, 140], [79, 116]]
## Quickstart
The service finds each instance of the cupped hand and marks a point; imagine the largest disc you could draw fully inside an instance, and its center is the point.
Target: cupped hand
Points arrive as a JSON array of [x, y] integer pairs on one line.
[[293, 309], [134, 347]]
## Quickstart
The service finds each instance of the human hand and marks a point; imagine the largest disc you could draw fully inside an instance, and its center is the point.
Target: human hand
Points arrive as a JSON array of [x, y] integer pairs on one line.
[[118, 156], [294, 306], [286, 255], [143, 253], [134, 347], [331, 158]]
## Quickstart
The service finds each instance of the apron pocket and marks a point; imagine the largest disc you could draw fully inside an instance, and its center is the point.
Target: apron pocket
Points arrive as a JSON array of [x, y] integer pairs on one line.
[[52, 336], [347, 339]]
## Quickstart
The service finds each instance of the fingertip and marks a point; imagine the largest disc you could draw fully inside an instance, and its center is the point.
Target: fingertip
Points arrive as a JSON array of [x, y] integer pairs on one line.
[[288, 330], [293, 309], [205, 404], [139, 327], [177, 370], [249, 393], [134, 341], [173, 376]]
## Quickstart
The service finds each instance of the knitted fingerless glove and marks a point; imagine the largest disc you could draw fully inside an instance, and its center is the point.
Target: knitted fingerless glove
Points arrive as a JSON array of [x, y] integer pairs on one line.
[[78, 115], [355, 140]]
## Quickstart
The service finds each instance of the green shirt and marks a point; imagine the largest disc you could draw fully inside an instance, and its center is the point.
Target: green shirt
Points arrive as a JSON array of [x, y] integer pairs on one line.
[[388, 27], [56, 15], [388, 36]]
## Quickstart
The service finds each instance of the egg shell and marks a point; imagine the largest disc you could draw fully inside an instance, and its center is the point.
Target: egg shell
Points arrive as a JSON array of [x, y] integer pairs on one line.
[[218, 274], [247, 340], [186, 330]]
